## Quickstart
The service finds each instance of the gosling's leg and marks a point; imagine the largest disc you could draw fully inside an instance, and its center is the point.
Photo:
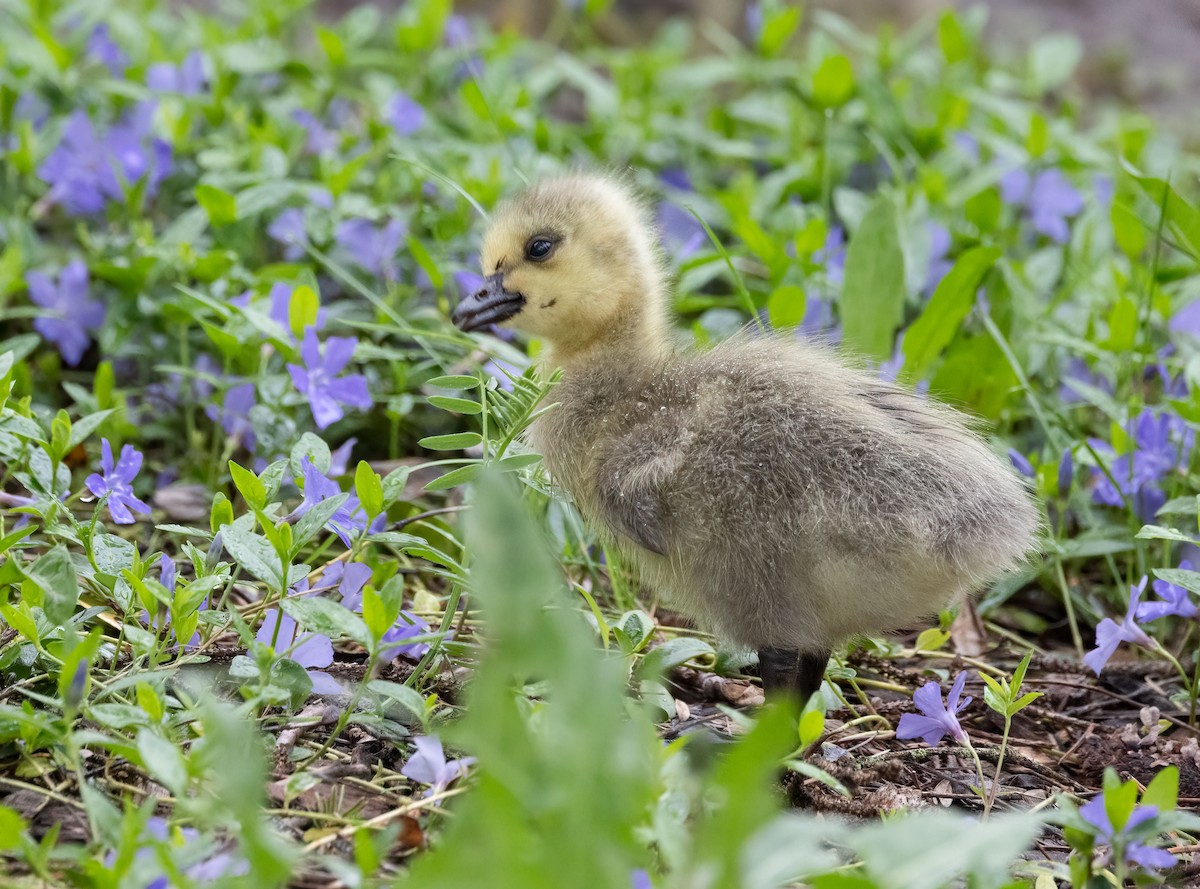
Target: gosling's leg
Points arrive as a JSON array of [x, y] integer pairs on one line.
[[786, 671]]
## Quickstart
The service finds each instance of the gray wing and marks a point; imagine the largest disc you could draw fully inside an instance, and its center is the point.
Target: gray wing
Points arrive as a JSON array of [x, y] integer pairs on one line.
[[631, 487]]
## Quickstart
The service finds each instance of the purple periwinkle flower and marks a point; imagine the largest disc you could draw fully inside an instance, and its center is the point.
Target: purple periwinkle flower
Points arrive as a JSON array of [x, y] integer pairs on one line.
[[682, 233], [430, 766], [1110, 634], [288, 228], [1078, 375], [1187, 320], [754, 20], [68, 314], [1174, 600], [833, 255], [404, 113], [1020, 463], [234, 414], [307, 649], [1066, 472], [967, 144], [168, 575], [348, 517], [187, 79], [407, 626], [936, 720], [373, 248], [1049, 198], [318, 378], [117, 482], [319, 138], [339, 458], [1161, 444], [349, 580], [103, 49], [939, 247], [85, 171], [1095, 813]]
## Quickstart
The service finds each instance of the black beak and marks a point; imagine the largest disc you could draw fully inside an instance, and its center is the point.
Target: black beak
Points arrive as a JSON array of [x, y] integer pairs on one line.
[[491, 304]]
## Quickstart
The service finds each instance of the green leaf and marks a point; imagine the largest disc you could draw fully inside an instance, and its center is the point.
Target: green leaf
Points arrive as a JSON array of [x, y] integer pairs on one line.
[[1119, 802], [315, 449], [408, 698], [873, 294], [1128, 230], [315, 519], [82, 428], [808, 770], [810, 726], [55, 574], [1052, 60], [369, 487], [785, 306], [328, 618], [455, 442], [1189, 580], [954, 43], [833, 84], [938, 324], [454, 381], [254, 554], [163, 761], [248, 485], [394, 483], [12, 825], [302, 310], [1163, 790], [221, 206], [457, 405], [779, 26], [672, 653], [455, 477], [1018, 675], [20, 618]]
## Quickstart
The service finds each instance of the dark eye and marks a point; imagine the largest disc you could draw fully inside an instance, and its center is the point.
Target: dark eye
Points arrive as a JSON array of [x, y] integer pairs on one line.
[[539, 249]]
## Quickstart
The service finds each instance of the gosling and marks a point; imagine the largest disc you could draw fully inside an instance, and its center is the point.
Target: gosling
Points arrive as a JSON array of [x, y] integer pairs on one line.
[[783, 499]]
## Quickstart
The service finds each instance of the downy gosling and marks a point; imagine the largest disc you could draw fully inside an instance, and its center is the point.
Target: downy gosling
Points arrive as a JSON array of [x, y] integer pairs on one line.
[[783, 499]]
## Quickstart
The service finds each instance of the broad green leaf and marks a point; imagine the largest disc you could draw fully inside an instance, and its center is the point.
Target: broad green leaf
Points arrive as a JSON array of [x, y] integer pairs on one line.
[[302, 310], [254, 554], [328, 618], [872, 301], [369, 487], [12, 825], [163, 761], [833, 84], [408, 698], [315, 518], [249, 485], [55, 574], [455, 442], [671, 654], [455, 477], [1163, 790], [938, 324], [221, 206], [1189, 580], [457, 405], [785, 306], [454, 381], [1119, 803]]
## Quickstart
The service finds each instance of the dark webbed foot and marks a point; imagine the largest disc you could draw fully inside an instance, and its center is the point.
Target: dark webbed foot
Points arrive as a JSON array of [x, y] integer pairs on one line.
[[788, 672]]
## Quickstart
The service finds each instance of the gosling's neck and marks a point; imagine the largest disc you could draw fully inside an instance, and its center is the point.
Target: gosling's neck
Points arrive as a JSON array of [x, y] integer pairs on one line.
[[629, 345]]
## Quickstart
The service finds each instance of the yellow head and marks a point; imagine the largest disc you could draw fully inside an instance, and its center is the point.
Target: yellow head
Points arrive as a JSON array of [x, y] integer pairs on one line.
[[573, 261]]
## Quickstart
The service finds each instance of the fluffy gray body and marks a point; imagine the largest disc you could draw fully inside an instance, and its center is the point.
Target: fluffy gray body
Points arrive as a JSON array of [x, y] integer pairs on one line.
[[784, 499]]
